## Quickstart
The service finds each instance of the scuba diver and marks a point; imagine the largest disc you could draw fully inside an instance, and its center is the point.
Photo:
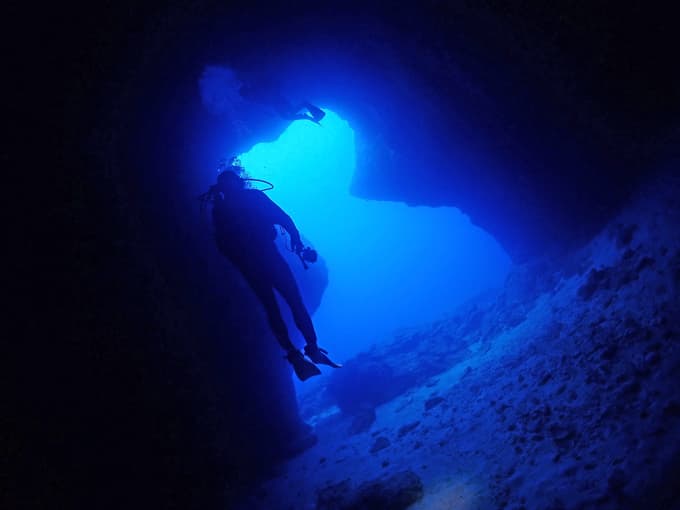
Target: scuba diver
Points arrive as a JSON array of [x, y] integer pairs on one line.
[[244, 220], [270, 97]]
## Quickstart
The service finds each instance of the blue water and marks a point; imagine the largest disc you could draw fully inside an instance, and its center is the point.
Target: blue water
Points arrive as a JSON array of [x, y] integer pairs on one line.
[[389, 265]]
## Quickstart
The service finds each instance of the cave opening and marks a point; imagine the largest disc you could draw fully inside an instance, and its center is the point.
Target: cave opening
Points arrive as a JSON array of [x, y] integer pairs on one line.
[[389, 265]]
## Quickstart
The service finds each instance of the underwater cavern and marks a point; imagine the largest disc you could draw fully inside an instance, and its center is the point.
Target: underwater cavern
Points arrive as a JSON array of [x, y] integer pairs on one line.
[[493, 191]]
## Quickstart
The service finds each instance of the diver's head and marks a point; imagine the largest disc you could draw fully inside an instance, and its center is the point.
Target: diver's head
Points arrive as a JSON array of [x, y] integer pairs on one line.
[[229, 180]]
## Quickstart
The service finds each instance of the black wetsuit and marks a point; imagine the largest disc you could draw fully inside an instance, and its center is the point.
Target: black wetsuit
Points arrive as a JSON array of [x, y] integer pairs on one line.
[[244, 231], [269, 96]]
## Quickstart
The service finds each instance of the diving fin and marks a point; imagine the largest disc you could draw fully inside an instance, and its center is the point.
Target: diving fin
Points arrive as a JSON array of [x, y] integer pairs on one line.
[[303, 368], [316, 112], [319, 356]]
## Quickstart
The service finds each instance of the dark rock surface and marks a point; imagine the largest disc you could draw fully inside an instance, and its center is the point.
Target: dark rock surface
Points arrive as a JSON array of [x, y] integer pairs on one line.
[[554, 397], [362, 421], [396, 492], [381, 442], [366, 382]]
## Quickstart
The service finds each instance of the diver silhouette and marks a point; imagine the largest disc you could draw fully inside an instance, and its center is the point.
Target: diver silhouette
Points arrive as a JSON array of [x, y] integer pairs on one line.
[[268, 96], [244, 220]]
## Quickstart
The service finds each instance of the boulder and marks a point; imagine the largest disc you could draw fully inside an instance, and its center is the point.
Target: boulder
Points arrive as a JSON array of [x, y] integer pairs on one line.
[[394, 492]]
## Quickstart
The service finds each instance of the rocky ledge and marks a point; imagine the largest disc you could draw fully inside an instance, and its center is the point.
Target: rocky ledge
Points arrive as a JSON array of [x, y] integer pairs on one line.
[[557, 391]]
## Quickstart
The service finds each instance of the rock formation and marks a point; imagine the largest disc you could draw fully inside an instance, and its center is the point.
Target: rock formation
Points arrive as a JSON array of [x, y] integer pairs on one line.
[[557, 391]]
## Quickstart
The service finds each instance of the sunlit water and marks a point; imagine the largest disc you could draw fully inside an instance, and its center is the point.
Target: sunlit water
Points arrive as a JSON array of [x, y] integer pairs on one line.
[[389, 265]]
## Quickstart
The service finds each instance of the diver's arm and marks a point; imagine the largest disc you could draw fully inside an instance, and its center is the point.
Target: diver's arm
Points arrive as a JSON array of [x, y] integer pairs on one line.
[[286, 222], [279, 217]]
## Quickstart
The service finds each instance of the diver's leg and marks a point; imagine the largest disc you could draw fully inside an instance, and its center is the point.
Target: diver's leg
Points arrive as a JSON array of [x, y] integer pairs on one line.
[[315, 113], [288, 111], [265, 293], [285, 283], [303, 368]]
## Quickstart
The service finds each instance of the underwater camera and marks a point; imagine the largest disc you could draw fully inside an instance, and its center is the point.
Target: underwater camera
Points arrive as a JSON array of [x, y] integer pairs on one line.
[[308, 255]]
